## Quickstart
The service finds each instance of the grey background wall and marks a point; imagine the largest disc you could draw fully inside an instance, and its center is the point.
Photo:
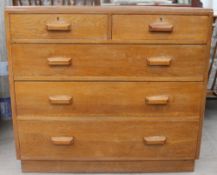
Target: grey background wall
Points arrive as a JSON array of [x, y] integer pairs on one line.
[[3, 55], [5, 111]]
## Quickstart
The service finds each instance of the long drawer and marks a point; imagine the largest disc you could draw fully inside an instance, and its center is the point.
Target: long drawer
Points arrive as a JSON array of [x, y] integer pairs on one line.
[[107, 139], [59, 26], [161, 28], [109, 62], [108, 98]]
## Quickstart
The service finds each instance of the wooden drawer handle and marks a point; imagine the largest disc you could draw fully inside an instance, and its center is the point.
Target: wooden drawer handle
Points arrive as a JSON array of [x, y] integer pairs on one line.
[[59, 61], [157, 100], [60, 99], [159, 61], [62, 140], [155, 140], [58, 25], [160, 27]]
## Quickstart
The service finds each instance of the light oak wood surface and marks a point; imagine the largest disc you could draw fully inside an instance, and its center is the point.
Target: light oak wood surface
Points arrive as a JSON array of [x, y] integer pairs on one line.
[[150, 10], [108, 89], [107, 166], [137, 27], [108, 62], [11, 86], [108, 98], [80, 26], [113, 140], [62, 141]]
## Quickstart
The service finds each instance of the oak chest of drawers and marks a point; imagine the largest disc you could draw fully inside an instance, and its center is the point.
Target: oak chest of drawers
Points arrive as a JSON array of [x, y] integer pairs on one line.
[[108, 89]]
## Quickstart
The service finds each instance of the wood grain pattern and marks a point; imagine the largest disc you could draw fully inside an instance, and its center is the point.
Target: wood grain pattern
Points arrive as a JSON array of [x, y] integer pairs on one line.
[[159, 61], [11, 86], [82, 26], [95, 140], [108, 89], [161, 27], [58, 25], [108, 98], [109, 41], [136, 27], [62, 141], [206, 70], [110, 10], [157, 100], [59, 61], [109, 62], [60, 99], [107, 166], [155, 140]]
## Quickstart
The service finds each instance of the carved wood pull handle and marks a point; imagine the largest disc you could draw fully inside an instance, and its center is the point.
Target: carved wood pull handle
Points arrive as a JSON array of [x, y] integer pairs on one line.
[[58, 25], [159, 61], [155, 140], [62, 140], [157, 100], [60, 99], [59, 61], [161, 27]]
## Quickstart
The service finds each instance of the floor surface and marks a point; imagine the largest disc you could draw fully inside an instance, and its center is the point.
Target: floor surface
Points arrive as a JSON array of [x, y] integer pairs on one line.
[[206, 165]]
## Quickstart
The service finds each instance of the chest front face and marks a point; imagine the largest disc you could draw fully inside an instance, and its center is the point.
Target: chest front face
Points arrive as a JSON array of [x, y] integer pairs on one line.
[[103, 89]]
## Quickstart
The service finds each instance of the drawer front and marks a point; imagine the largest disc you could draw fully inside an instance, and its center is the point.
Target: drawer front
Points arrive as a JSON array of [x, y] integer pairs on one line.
[[58, 26], [107, 139], [109, 62], [108, 98], [161, 28]]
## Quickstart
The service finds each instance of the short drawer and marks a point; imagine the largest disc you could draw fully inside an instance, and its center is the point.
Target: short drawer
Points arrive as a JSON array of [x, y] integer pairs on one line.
[[109, 62], [161, 28], [58, 26], [108, 98], [107, 139]]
